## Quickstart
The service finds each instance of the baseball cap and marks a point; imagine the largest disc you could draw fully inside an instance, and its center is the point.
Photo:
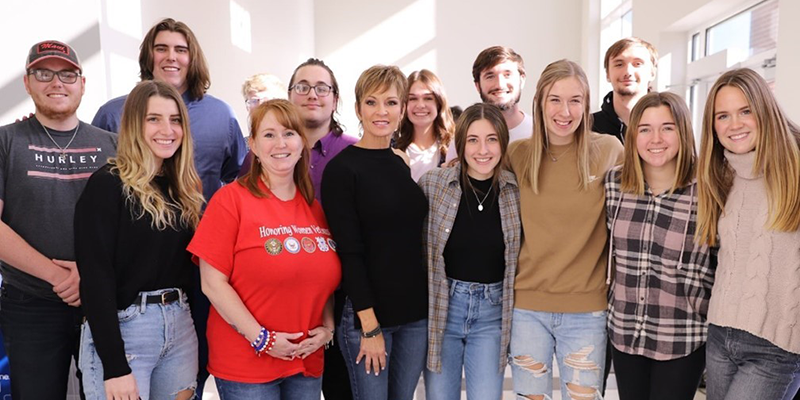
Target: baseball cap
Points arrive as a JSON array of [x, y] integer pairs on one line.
[[52, 49]]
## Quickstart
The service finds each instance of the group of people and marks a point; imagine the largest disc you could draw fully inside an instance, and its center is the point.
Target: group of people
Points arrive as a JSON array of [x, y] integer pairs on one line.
[[428, 247]]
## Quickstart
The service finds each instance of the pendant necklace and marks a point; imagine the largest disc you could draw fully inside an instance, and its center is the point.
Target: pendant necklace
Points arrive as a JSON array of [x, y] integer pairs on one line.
[[62, 150], [480, 202], [555, 158]]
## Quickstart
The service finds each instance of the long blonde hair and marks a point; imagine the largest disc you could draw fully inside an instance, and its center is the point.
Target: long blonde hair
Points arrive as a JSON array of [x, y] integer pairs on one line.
[[777, 157], [136, 164], [554, 72], [632, 175]]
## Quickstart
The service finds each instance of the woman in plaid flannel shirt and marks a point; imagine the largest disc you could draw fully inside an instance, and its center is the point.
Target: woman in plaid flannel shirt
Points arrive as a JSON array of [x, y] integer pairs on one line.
[[662, 279]]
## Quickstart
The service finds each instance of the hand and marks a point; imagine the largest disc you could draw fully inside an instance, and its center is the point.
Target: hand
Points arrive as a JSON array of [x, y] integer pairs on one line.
[[69, 288], [317, 338], [122, 388], [24, 117], [283, 348], [373, 351]]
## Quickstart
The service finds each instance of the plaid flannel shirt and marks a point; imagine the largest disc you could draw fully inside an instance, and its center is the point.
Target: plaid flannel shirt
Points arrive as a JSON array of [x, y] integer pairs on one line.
[[658, 302], [443, 189]]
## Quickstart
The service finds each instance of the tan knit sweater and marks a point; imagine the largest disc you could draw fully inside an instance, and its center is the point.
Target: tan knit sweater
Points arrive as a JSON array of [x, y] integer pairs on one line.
[[757, 287], [562, 262]]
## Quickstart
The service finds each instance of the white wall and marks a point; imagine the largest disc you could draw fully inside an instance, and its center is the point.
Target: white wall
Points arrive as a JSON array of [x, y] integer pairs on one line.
[[107, 34], [444, 36]]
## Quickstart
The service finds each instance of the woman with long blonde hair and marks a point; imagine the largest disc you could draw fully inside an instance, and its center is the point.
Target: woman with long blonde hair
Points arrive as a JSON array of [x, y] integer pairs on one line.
[[651, 209], [427, 127], [132, 225], [749, 204], [560, 290]]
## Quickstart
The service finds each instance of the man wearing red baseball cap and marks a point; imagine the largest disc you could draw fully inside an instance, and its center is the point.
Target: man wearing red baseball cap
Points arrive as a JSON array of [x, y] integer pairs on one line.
[[45, 162]]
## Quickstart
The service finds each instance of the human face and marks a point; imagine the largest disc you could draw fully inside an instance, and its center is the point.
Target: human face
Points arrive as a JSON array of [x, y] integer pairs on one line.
[[55, 100], [254, 99], [734, 122], [422, 107], [171, 59], [482, 149], [631, 71], [316, 111], [658, 139], [563, 110], [163, 131], [380, 113], [501, 85], [277, 147]]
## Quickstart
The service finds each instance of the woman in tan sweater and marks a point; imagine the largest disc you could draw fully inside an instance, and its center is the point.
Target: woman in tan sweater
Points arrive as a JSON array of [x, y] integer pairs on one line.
[[749, 203], [560, 290]]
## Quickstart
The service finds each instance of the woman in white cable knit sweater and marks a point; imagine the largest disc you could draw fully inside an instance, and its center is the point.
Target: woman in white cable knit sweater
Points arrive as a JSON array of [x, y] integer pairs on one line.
[[749, 204]]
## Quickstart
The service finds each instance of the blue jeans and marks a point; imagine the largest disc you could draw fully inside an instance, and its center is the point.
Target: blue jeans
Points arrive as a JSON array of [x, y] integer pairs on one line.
[[471, 342], [406, 349], [295, 387], [160, 345], [578, 341], [744, 366], [41, 336]]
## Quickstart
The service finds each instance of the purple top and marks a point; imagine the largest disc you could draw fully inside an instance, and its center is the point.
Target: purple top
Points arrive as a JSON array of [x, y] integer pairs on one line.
[[321, 153]]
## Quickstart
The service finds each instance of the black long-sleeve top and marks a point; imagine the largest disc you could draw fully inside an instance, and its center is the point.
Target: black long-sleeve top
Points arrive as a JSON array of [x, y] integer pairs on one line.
[[376, 214], [119, 256]]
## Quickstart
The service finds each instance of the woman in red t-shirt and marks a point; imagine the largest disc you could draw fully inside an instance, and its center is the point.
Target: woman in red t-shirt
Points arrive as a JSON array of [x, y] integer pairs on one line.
[[268, 265]]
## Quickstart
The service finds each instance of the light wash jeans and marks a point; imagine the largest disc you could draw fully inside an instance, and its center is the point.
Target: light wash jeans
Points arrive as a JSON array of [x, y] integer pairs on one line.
[[406, 349], [741, 365], [161, 347], [295, 387], [471, 343], [578, 341]]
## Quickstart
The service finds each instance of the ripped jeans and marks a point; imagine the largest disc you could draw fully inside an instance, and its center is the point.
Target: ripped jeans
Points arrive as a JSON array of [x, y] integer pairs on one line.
[[578, 341], [160, 345]]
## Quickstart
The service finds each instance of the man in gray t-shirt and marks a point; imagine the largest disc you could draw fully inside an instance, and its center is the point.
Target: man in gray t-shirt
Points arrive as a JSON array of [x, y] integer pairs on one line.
[[45, 162]]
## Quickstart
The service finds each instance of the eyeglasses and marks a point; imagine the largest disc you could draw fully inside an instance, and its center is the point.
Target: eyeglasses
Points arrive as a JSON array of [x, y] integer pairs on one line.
[[46, 75], [254, 102], [322, 89]]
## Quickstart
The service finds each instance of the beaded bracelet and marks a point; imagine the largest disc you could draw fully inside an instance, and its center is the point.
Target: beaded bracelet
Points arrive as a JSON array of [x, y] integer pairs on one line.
[[261, 340]]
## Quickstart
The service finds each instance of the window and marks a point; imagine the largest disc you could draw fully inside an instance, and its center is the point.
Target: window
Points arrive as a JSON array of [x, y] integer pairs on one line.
[[747, 38], [616, 23]]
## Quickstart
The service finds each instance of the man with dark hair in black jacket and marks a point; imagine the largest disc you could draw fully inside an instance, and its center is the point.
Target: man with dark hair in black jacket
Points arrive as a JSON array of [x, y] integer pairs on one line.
[[630, 66]]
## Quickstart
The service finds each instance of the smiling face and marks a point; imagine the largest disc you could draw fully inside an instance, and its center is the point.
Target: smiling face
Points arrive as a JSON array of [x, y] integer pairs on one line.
[[380, 113], [501, 85], [563, 110], [163, 131], [482, 149], [315, 110], [734, 123], [422, 107], [658, 139], [631, 71], [55, 99], [277, 147], [171, 59]]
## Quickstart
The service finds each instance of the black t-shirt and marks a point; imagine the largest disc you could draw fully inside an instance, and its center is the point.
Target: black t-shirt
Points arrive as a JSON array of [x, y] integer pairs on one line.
[[475, 250]]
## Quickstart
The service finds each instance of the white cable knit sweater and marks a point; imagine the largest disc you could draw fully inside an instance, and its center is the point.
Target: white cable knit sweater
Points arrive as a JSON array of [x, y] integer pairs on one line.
[[757, 287]]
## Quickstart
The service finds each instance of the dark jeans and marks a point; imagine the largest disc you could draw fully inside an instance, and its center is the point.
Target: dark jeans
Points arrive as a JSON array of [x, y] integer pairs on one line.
[[642, 378], [200, 306], [744, 366], [41, 336], [335, 379], [295, 387]]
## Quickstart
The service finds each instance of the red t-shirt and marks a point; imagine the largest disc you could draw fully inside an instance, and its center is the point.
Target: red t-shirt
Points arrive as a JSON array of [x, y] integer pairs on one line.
[[280, 259]]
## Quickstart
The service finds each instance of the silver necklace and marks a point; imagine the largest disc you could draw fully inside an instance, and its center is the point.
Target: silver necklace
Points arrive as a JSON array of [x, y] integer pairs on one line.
[[480, 202], [554, 157], [63, 150]]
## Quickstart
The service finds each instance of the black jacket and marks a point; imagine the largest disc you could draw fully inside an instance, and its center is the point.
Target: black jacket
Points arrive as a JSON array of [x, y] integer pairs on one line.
[[606, 120]]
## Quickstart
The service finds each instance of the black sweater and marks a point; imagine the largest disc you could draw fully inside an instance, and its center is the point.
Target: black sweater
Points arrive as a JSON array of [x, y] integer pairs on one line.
[[118, 256], [376, 214]]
